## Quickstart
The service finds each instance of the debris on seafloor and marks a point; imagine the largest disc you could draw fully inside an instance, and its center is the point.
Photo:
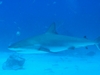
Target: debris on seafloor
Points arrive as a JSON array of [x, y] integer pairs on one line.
[[55, 65], [76, 67], [91, 53], [14, 62], [49, 70], [65, 67]]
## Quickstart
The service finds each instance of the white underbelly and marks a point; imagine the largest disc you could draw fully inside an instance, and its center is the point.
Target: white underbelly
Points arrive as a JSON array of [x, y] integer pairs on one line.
[[57, 49], [28, 51]]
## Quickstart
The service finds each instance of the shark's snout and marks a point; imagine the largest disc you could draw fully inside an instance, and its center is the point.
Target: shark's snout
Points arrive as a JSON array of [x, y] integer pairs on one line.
[[10, 46], [14, 47]]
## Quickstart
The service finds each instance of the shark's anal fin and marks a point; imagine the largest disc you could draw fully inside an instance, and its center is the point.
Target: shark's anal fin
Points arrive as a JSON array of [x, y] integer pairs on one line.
[[72, 48], [44, 49]]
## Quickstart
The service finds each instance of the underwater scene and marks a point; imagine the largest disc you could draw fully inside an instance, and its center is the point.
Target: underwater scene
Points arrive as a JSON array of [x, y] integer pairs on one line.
[[49, 37]]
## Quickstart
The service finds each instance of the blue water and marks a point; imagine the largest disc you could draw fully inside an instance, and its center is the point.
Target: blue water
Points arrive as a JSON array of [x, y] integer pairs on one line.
[[20, 19]]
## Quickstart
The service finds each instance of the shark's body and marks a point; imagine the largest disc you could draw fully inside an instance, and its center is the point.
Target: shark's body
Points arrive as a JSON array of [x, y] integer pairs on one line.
[[51, 42]]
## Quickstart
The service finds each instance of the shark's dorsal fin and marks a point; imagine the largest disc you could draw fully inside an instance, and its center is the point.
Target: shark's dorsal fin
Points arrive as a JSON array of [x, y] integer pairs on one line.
[[52, 28]]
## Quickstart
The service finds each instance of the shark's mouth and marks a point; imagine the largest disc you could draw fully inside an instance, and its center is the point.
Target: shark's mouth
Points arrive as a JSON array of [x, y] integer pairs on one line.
[[26, 51], [15, 49]]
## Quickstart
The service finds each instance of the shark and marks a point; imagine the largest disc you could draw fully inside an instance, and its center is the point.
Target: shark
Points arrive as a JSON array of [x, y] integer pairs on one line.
[[51, 42]]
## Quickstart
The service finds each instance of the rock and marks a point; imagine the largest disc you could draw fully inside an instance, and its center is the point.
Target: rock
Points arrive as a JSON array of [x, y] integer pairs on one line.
[[14, 62]]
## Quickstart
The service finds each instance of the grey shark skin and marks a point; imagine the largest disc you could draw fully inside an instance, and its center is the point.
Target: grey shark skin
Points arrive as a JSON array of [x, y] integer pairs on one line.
[[51, 42]]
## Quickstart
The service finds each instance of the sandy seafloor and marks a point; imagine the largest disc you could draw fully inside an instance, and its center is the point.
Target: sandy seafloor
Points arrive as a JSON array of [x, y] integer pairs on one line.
[[47, 64]]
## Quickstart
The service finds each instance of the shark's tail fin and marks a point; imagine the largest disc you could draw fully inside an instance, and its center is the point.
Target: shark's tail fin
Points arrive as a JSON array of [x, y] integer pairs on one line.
[[98, 43]]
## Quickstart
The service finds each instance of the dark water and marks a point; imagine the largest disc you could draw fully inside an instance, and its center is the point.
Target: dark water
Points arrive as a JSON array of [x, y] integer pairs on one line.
[[20, 19]]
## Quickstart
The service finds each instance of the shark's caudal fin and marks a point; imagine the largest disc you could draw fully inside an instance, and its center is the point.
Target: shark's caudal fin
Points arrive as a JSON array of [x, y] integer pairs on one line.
[[98, 43]]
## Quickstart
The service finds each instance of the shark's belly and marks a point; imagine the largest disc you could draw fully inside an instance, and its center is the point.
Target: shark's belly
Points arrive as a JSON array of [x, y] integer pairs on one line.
[[68, 46], [32, 51], [57, 49]]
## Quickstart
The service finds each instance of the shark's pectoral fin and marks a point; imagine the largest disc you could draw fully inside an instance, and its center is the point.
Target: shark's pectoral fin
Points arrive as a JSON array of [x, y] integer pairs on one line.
[[72, 48], [44, 49]]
